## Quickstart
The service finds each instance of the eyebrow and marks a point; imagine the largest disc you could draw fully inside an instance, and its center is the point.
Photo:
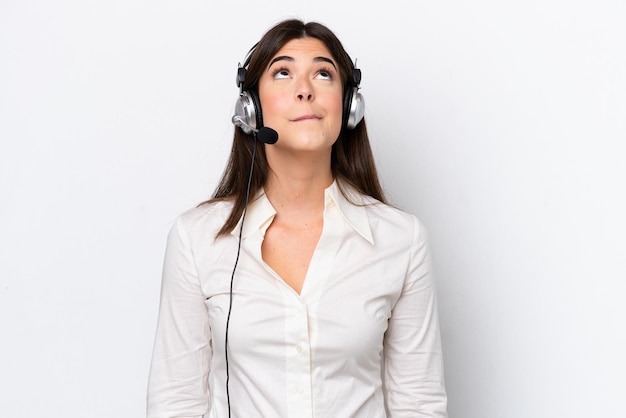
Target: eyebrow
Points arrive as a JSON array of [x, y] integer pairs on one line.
[[291, 59]]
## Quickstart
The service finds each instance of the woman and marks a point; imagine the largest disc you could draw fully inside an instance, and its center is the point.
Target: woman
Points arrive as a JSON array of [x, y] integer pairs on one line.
[[311, 297]]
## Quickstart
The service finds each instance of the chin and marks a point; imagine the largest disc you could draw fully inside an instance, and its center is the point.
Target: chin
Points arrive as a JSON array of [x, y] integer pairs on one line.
[[312, 144]]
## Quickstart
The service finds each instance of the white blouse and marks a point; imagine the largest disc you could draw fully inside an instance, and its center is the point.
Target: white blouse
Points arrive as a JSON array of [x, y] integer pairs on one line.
[[360, 340]]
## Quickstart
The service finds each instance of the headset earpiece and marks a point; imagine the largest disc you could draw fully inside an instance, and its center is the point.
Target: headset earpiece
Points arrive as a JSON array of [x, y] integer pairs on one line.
[[353, 103], [248, 108], [353, 107], [248, 105]]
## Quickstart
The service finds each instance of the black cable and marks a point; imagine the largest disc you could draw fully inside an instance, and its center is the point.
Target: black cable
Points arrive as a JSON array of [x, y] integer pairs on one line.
[[232, 277]]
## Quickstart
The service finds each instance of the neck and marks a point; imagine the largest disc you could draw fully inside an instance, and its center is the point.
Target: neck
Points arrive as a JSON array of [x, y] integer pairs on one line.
[[298, 184]]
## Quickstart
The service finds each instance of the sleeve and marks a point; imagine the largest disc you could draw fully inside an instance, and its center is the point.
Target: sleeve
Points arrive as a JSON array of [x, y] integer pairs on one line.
[[177, 384], [414, 378]]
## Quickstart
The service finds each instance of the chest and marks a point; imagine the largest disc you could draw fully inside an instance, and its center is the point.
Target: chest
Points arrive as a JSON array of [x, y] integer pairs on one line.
[[288, 250], [342, 310]]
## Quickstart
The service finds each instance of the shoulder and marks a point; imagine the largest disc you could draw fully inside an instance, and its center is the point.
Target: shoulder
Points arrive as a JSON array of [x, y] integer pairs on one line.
[[380, 213], [204, 220], [393, 219], [386, 220]]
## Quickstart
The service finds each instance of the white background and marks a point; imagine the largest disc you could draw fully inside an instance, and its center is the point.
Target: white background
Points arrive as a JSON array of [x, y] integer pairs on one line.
[[500, 124]]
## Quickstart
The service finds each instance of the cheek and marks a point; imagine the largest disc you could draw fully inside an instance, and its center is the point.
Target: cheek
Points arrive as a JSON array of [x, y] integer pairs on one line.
[[335, 106], [334, 101], [272, 104]]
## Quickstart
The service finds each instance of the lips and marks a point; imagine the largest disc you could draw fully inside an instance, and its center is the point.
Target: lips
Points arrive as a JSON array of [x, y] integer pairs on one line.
[[305, 117]]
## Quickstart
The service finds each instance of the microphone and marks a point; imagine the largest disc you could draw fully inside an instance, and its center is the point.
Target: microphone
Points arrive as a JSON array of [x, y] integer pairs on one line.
[[265, 135]]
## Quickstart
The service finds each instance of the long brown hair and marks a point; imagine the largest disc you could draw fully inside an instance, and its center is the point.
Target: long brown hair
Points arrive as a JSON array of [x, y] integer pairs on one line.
[[352, 161]]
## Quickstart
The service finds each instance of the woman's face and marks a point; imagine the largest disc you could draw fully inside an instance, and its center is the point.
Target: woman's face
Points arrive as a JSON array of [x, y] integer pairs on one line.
[[301, 96]]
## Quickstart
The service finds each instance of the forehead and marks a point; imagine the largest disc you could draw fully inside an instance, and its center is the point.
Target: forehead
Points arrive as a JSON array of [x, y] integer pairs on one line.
[[304, 46]]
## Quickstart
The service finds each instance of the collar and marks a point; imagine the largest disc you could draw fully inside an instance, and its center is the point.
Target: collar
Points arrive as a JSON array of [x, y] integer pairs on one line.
[[350, 204]]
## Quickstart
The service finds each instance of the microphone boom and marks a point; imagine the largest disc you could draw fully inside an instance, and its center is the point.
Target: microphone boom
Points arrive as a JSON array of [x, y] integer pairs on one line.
[[265, 134]]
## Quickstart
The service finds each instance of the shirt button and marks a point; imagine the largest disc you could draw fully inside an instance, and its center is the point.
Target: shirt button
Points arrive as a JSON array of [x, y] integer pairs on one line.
[[299, 349], [299, 390]]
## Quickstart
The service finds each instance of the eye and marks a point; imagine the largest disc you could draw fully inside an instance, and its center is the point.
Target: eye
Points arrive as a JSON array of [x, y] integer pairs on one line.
[[325, 74], [280, 72]]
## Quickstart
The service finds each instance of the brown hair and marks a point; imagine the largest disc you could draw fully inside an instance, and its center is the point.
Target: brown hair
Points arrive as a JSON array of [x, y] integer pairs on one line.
[[352, 161]]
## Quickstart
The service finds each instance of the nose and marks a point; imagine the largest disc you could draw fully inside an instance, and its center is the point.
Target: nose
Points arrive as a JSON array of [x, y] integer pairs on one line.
[[303, 96], [304, 91]]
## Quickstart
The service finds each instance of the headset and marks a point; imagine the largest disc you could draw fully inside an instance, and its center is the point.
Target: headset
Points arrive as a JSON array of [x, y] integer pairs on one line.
[[249, 116]]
